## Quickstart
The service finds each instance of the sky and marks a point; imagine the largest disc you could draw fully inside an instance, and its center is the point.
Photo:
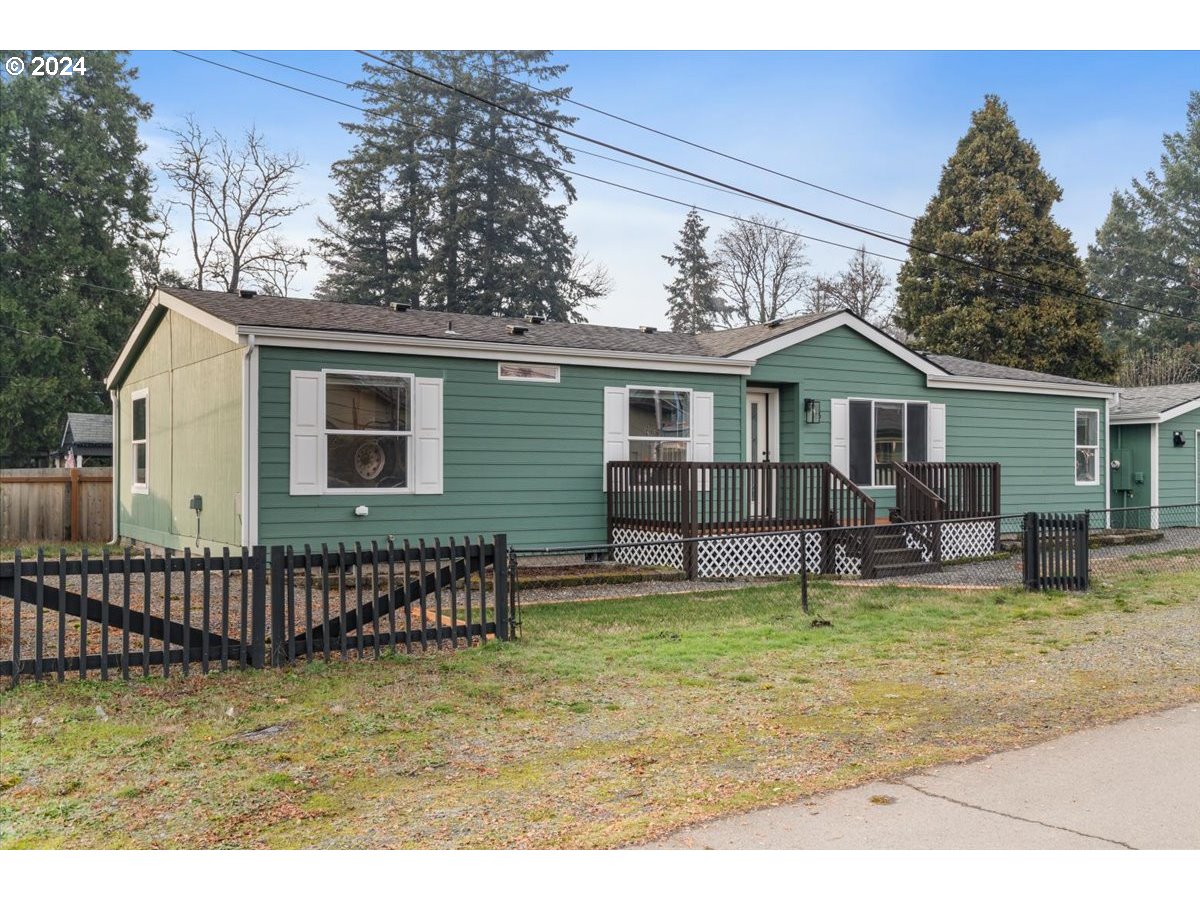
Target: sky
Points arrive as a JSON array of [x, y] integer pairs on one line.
[[876, 125]]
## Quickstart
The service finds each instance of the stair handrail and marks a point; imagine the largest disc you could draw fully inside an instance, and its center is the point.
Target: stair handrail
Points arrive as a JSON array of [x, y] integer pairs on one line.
[[915, 500], [854, 507]]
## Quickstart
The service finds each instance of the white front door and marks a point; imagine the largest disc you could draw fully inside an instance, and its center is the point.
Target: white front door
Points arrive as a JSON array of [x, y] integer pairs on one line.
[[762, 440], [762, 445]]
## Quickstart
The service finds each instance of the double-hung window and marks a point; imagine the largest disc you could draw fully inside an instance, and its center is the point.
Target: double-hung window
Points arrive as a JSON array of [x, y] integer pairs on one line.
[[883, 432], [368, 431], [140, 441], [1087, 446], [660, 424]]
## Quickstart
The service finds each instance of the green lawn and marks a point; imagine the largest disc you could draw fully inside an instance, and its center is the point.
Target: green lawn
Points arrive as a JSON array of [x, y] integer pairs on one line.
[[609, 722]]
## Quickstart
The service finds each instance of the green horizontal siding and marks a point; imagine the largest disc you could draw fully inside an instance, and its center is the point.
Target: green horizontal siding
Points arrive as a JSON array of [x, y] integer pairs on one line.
[[520, 458], [1030, 435], [1177, 465]]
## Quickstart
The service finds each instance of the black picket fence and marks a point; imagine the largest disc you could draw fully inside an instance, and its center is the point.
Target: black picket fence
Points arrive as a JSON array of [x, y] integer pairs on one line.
[[132, 614]]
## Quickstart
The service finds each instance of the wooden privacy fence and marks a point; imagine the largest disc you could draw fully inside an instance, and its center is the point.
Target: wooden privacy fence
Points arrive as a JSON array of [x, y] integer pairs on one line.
[[1055, 548], [55, 505], [133, 614]]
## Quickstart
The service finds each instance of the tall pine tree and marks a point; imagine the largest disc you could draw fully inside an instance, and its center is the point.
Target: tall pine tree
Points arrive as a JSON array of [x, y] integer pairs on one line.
[[75, 216], [451, 203], [1147, 252], [692, 301], [993, 208]]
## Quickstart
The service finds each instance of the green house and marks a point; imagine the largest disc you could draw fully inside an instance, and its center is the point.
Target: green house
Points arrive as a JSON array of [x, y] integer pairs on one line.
[[1156, 455], [244, 419]]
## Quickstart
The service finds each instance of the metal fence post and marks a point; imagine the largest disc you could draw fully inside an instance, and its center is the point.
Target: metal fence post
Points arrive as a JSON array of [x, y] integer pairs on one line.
[[500, 574], [1029, 546], [278, 615], [1083, 552], [258, 606]]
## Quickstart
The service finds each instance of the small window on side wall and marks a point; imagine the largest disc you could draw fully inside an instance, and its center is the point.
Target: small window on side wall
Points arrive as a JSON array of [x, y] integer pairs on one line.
[[519, 371], [1087, 446], [140, 441]]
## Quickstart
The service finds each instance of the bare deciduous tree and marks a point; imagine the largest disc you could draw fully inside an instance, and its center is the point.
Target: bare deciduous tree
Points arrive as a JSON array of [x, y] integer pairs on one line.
[[1169, 365], [862, 287], [762, 271], [277, 268], [587, 281], [234, 197]]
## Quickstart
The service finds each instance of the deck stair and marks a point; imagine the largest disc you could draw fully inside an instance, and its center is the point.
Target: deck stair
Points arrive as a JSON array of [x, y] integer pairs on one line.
[[897, 550]]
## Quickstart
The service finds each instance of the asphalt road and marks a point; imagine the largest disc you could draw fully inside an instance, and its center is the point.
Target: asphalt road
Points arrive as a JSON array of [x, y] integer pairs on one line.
[[1132, 785]]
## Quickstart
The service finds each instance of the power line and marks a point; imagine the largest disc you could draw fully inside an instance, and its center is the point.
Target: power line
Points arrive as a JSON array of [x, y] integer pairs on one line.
[[752, 194], [1036, 285], [574, 149], [376, 90]]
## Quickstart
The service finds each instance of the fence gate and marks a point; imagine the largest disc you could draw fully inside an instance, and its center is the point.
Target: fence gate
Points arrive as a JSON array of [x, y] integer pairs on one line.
[[1056, 552]]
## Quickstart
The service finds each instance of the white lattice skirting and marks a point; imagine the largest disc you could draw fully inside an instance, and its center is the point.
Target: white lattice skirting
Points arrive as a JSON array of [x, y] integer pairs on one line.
[[963, 540], [736, 557], [654, 555]]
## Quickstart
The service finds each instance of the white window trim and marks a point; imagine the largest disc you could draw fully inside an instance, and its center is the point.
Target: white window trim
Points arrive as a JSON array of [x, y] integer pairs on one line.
[[136, 487], [689, 440], [500, 376], [1076, 446], [323, 444], [874, 461]]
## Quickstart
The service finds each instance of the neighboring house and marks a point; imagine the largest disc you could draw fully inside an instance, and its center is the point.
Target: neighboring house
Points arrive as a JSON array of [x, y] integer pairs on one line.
[[86, 438], [298, 421], [1156, 447]]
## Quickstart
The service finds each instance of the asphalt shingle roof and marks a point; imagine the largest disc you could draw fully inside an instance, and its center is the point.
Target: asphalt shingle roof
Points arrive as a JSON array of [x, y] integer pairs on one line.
[[318, 315], [291, 312], [969, 368], [90, 429], [1150, 401]]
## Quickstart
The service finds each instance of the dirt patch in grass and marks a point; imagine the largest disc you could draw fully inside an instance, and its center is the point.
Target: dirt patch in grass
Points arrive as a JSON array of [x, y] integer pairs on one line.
[[611, 722]]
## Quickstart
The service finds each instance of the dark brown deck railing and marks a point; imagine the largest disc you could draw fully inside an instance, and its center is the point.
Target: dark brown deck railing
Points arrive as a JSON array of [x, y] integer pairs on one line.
[[695, 499], [968, 490]]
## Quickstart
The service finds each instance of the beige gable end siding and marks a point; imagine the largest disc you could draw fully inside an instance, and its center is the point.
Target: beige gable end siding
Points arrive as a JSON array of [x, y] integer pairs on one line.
[[194, 425]]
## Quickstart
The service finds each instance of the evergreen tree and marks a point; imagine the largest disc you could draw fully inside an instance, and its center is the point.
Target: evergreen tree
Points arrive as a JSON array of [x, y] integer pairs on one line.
[[75, 225], [1147, 252], [993, 208], [453, 204], [692, 302], [374, 249]]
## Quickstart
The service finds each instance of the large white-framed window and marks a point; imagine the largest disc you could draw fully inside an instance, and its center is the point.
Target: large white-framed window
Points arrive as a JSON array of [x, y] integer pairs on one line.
[[367, 440], [1087, 447], [882, 432], [139, 422], [659, 424]]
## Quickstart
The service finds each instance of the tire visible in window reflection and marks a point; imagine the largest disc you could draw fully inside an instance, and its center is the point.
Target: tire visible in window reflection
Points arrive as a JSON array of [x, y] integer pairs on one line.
[[367, 461]]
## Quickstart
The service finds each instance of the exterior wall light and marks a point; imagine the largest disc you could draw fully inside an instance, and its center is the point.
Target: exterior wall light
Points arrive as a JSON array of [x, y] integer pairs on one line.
[[812, 411], [1180, 440]]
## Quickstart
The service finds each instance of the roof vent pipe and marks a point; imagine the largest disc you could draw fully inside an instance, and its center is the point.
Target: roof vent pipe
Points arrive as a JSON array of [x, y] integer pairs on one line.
[[247, 294]]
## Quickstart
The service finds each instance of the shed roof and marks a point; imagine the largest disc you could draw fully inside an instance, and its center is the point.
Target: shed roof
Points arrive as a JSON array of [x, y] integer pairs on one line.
[[87, 430]]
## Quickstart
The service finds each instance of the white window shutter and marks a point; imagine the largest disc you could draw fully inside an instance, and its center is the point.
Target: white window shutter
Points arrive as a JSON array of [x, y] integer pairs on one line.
[[427, 433], [616, 428], [702, 426], [937, 432], [702, 432], [839, 431], [305, 457]]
